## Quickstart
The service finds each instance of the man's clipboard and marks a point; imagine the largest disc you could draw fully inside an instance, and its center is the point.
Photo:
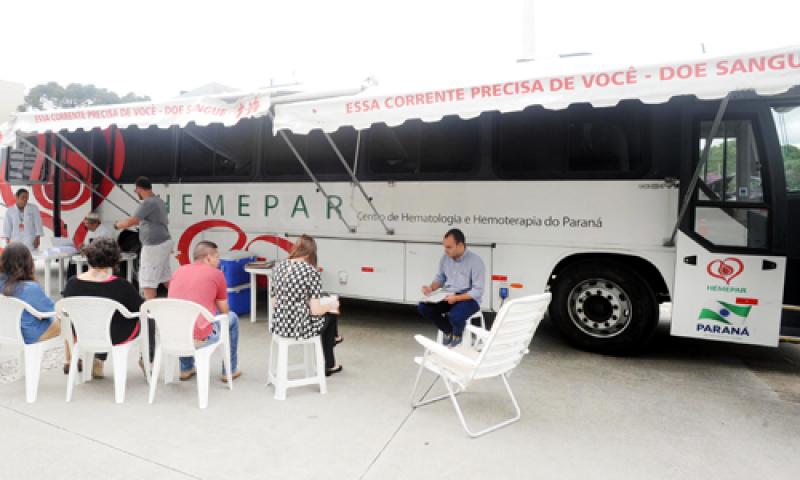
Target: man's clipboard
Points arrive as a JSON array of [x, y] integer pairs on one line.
[[436, 296]]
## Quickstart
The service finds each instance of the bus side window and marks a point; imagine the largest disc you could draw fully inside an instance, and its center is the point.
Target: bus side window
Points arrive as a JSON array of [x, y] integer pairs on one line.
[[394, 149], [451, 145], [217, 151], [197, 151], [530, 143], [580, 142], [280, 163], [604, 141], [149, 152], [597, 147]]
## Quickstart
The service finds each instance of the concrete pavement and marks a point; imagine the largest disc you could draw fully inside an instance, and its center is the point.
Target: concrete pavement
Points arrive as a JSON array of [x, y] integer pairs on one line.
[[686, 409]]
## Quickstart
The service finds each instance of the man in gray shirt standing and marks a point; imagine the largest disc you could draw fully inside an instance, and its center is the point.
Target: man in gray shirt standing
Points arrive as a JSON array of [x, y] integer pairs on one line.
[[151, 216], [461, 274]]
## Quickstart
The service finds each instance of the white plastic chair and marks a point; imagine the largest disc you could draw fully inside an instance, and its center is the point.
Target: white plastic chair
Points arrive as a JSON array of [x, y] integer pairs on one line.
[[91, 318], [279, 368], [11, 310], [175, 320], [502, 350]]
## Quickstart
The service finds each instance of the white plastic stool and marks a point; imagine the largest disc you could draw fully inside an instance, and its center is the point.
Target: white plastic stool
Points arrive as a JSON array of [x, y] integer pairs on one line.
[[279, 368], [467, 335]]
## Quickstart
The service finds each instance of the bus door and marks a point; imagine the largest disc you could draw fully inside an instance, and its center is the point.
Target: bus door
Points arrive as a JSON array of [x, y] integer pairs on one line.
[[728, 282], [786, 120]]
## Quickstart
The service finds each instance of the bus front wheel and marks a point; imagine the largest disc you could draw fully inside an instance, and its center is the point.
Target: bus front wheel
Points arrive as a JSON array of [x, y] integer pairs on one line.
[[605, 307]]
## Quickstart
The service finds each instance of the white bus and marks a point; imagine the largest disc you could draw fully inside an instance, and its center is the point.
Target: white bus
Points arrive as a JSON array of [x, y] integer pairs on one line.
[[617, 195]]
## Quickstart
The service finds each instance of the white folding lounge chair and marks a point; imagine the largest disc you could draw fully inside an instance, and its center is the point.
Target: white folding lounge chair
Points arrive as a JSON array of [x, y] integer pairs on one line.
[[501, 351]]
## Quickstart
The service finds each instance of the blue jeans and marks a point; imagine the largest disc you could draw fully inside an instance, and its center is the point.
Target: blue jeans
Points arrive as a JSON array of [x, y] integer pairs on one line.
[[450, 319], [187, 363]]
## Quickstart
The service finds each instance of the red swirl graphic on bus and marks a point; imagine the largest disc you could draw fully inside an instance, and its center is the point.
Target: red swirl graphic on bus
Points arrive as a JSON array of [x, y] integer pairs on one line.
[[241, 243]]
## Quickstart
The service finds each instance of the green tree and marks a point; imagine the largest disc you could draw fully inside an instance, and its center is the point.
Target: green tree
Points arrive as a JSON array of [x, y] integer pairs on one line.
[[53, 95], [791, 164]]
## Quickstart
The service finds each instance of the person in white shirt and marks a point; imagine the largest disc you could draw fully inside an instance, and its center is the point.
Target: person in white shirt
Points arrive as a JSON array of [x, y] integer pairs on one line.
[[23, 222], [95, 229]]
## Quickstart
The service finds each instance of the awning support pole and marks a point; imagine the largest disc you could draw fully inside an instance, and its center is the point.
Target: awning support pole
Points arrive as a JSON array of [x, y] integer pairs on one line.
[[670, 242], [311, 175], [358, 149], [314, 179], [389, 231], [57, 192], [97, 169], [69, 172]]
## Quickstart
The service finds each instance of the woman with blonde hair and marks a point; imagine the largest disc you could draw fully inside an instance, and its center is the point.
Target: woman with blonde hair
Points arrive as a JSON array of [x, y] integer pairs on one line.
[[296, 289]]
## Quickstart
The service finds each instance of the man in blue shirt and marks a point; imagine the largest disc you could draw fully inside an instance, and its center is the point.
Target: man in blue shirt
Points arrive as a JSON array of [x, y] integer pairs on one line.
[[461, 276]]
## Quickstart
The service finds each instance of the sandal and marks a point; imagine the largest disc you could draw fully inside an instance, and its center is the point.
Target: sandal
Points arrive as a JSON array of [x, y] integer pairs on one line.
[[97, 368], [331, 371], [80, 367]]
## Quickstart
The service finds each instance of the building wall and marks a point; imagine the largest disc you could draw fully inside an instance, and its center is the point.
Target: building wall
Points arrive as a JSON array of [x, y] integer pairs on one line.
[[12, 95]]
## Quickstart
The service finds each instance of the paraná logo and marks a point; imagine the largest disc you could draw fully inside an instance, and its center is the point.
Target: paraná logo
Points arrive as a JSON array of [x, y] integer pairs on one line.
[[726, 318], [726, 313]]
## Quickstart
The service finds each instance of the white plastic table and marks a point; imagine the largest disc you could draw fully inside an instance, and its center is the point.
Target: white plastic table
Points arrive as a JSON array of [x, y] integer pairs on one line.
[[254, 273], [80, 262], [48, 258]]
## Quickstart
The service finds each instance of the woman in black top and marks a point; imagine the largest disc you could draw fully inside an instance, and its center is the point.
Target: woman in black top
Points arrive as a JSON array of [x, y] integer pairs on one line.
[[296, 289], [103, 255]]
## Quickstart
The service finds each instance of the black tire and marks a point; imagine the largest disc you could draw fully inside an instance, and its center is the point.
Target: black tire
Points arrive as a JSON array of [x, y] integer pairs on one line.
[[620, 314]]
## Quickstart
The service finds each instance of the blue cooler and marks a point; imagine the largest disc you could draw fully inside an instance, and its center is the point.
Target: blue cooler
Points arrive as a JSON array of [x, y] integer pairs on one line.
[[239, 299], [238, 281], [232, 265]]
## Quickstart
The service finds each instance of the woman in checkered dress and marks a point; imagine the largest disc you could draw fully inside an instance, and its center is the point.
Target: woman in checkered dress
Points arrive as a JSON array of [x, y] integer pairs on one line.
[[296, 288]]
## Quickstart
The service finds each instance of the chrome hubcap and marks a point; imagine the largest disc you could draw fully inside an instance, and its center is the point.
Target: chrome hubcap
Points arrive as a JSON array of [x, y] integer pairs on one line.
[[600, 308]]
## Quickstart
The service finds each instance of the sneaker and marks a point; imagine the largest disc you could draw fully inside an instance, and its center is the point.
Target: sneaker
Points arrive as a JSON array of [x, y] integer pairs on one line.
[[188, 374], [456, 341], [446, 339]]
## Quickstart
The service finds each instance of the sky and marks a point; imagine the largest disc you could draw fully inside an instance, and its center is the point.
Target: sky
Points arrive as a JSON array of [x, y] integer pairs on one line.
[[159, 48]]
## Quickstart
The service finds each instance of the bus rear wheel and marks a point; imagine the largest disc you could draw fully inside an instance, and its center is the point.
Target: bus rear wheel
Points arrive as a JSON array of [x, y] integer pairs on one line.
[[604, 307]]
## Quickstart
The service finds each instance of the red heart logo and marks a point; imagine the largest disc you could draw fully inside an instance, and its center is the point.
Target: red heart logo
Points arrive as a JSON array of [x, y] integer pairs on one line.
[[726, 269]]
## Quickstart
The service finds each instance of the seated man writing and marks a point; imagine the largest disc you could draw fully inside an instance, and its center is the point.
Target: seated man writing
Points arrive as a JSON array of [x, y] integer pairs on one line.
[[461, 274], [203, 282]]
